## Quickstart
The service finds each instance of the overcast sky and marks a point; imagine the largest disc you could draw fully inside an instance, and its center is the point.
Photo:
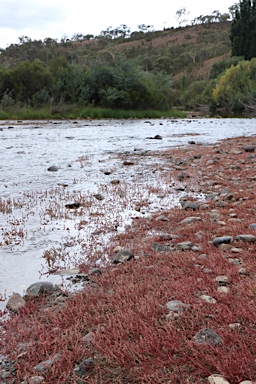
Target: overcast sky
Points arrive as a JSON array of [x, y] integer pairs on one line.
[[39, 19]]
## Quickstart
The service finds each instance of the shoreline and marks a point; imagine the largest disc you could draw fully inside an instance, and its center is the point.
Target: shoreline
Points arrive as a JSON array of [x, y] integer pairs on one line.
[[200, 253]]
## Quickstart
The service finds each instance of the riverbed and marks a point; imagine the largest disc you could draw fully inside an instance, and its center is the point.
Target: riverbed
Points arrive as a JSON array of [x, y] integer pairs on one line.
[[39, 227]]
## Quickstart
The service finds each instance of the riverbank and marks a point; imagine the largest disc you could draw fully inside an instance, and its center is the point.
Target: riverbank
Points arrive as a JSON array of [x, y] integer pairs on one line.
[[178, 306], [73, 112]]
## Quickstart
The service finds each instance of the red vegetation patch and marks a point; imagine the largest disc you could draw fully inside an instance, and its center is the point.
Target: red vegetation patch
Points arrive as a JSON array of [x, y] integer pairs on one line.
[[124, 309]]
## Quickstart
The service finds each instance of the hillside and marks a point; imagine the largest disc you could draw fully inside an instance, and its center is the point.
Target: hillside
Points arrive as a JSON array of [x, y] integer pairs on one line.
[[174, 51], [154, 70]]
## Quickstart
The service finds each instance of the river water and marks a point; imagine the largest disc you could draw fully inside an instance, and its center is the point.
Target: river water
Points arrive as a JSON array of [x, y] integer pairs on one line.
[[33, 214]]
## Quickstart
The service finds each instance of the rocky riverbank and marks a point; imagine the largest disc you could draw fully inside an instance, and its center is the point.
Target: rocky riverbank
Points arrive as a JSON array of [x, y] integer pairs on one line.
[[176, 303]]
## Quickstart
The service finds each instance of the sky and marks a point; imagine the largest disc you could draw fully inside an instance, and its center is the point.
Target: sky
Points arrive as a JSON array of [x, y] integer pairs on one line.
[[39, 19]]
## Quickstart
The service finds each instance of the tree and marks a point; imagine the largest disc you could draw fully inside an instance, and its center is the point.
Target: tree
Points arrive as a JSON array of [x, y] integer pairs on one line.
[[237, 86], [243, 30], [181, 15]]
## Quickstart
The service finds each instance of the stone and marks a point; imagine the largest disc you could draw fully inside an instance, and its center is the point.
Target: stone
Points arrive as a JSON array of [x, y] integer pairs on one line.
[[35, 380], [98, 196], [190, 205], [249, 148], [41, 288], [53, 168], [162, 218], [15, 302], [223, 289], [217, 379], [184, 246], [182, 176], [115, 181], [45, 365], [122, 256], [176, 306], [222, 240], [190, 220], [207, 336], [208, 299], [161, 248], [128, 162], [158, 137], [252, 226], [246, 238], [222, 280]]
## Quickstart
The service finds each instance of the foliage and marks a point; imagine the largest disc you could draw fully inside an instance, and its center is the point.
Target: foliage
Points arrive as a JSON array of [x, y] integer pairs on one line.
[[237, 85], [243, 30], [106, 72], [220, 66]]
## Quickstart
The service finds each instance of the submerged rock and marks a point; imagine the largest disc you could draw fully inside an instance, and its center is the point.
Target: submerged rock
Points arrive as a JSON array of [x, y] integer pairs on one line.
[[53, 168]]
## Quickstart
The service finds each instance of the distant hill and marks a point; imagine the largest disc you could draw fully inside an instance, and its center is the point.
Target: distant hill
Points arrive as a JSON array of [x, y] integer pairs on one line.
[[190, 50]]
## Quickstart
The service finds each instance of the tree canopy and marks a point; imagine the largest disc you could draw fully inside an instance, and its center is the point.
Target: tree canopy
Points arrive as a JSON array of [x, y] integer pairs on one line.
[[243, 30]]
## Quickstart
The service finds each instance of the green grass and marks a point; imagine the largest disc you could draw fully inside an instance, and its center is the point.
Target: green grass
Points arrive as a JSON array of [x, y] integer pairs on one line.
[[74, 112]]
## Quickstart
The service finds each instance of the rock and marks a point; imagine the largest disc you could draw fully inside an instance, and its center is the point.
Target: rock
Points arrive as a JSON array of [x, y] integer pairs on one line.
[[234, 261], [15, 302], [189, 205], [53, 168], [35, 380], [207, 336], [252, 226], [217, 379], [223, 290], [222, 280], [247, 382], [161, 248], [45, 365], [182, 176], [128, 162], [122, 256], [72, 205], [190, 220], [184, 246], [191, 142], [222, 240], [81, 368], [158, 137], [115, 181], [176, 306], [41, 288], [208, 299], [249, 148], [246, 238], [234, 325], [162, 218], [98, 196]]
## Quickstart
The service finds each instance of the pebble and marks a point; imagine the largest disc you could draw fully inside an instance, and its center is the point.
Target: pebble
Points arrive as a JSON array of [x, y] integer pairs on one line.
[[208, 299], [217, 379]]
